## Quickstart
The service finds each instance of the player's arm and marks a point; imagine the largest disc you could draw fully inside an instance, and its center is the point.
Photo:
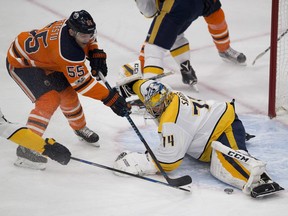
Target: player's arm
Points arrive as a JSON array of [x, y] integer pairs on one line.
[[25, 137], [97, 59]]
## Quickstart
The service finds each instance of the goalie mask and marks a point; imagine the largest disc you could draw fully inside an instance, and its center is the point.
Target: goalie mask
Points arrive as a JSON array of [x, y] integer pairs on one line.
[[156, 98]]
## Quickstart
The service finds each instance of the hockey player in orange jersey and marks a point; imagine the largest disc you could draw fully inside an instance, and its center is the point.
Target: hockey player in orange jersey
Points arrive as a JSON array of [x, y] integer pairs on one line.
[[49, 66], [26, 138], [171, 18]]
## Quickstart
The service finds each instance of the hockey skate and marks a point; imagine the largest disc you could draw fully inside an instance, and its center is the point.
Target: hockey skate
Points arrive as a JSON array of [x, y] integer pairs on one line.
[[188, 74], [30, 159], [87, 135], [266, 187], [232, 56]]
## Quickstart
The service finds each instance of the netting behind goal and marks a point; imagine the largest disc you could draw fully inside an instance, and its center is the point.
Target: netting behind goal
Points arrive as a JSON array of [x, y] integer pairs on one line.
[[278, 86]]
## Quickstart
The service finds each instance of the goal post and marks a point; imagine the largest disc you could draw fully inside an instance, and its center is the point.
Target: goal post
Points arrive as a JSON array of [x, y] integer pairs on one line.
[[278, 80]]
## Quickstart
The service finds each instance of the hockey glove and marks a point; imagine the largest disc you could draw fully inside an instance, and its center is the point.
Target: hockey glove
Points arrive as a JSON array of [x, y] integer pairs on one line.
[[135, 163], [117, 103], [97, 59], [56, 151]]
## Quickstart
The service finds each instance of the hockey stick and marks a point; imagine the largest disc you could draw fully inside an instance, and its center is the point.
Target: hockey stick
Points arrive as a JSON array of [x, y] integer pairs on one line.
[[184, 180], [265, 51], [159, 76], [127, 173]]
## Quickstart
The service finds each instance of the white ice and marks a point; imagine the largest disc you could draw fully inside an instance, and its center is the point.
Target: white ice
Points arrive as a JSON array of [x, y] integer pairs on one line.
[[82, 189]]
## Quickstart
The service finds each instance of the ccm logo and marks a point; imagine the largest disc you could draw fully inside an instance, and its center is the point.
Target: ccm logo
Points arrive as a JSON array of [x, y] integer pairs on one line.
[[136, 68], [238, 156]]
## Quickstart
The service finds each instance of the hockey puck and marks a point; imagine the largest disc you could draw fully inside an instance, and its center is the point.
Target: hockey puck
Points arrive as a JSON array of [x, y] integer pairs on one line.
[[228, 190]]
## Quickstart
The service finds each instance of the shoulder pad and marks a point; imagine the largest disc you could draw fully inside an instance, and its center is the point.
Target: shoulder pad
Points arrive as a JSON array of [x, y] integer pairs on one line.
[[69, 49]]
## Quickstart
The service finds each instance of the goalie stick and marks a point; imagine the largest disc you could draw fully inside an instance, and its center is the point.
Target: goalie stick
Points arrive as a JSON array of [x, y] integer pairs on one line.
[[265, 51], [127, 173], [184, 180], [159, 76]]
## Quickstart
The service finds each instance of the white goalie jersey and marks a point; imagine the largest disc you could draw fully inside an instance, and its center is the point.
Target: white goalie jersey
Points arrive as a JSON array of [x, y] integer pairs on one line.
[[187, 126]]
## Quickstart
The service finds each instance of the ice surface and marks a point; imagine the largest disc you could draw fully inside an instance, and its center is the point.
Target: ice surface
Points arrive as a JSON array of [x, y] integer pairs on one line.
[[81, 189]]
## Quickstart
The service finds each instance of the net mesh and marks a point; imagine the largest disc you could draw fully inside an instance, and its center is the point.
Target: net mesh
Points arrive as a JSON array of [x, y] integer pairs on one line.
[[282, 59]]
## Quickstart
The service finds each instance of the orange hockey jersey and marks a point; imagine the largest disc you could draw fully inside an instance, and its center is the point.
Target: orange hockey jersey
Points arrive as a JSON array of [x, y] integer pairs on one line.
[[53, 49]]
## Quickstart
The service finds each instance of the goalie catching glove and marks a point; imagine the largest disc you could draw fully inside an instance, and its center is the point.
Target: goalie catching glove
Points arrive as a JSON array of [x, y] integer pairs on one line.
[[97, 58], [135, 163], [56, 151], [129, 73], [117, 103]]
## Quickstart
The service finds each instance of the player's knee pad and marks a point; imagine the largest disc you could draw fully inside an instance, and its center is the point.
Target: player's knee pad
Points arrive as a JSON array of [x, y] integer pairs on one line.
[[153, 60], [72, 109], [47, 104], [69, 98], [180, 50], [135, 163], [40, 116]]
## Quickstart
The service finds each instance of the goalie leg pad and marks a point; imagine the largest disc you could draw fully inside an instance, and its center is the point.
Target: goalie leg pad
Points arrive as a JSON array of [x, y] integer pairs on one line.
[[221, 169], [248, 169], [135, 163]]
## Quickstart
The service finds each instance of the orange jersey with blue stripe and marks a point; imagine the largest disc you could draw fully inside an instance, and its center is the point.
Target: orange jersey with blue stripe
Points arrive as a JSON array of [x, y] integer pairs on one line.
[[53, 49]]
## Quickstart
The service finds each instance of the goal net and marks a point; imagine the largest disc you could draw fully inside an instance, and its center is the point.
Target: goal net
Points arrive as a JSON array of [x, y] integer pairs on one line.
[[278, 83]]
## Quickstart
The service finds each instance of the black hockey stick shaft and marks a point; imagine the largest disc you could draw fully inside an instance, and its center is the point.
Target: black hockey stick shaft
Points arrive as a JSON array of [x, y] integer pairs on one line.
[[126, 173], [266, 50], [159, 76], [184, 180]]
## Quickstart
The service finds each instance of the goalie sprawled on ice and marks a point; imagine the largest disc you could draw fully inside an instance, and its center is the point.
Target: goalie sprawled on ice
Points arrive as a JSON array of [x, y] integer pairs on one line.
[[209, 131]]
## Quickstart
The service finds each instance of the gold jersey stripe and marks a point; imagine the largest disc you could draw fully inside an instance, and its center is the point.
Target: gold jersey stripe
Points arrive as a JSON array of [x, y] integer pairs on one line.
[[171, 166], [166, 8]]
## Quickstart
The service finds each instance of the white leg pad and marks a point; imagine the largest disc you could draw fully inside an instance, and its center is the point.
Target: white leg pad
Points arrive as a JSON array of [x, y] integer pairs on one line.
[[256, 167], [154, 56]]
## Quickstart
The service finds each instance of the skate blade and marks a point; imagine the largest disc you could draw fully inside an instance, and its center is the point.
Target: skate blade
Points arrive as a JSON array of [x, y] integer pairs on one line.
[[234, 63], [96, 144]]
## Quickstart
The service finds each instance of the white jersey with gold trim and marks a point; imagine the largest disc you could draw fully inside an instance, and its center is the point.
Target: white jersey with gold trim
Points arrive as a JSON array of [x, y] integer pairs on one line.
[[187, 124]]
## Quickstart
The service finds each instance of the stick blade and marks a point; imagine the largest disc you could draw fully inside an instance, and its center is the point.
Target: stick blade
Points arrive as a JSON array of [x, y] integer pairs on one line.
[[184, 180]]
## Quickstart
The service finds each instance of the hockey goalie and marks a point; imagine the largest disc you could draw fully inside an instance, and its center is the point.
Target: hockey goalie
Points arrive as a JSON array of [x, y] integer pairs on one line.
[[209, 131]]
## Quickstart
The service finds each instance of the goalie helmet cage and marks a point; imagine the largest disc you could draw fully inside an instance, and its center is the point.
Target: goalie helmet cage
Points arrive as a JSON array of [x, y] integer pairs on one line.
[[278, 82]]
